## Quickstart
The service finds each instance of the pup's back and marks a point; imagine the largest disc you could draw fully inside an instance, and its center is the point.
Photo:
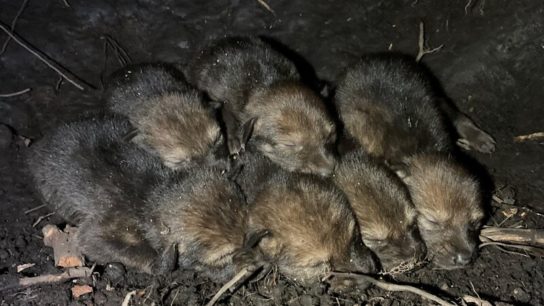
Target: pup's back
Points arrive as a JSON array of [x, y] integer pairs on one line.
[[312, 228], [83, 167], [384, 211], [229, 69], [170, 116], [387, 104]]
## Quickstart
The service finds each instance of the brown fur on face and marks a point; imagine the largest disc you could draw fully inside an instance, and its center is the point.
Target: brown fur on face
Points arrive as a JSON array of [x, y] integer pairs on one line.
[[204, 216], [388, 106], [312, 229], [293, 128], [450, 210], [179, 128], [385, 214]]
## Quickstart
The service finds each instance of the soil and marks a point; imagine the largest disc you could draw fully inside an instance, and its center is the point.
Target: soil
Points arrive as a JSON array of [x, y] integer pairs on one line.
[[491, 65]]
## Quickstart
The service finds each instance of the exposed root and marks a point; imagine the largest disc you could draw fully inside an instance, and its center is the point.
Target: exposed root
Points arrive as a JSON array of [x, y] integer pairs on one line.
[[530, 241], [421, 44], [240, 277], [128, 297], [530, 137], [41, 218], [78, 272], [13, 94], [522, 236], [41, 57], [266, 6], [13, 23], [395, 287]]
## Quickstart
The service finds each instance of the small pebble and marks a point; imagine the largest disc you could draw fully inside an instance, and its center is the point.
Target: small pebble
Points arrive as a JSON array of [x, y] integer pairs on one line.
[[521, 295]]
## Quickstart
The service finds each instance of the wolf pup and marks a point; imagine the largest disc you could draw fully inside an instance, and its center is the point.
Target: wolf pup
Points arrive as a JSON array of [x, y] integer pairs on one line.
[[170, 117], [389, 108], [386, 216], [291, 124]]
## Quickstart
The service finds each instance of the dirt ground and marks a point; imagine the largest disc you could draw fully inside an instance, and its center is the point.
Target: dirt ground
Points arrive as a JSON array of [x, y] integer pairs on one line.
[[490, 64]]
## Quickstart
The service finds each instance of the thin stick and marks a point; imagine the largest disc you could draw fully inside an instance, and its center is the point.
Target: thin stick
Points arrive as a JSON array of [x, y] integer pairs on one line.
[[467, 6], [40, 219], [266, 6], [499, 201], [128, 297], [421, 44], [40, 57], [533, 136], [34, 209], [240, 275], [524, 236], [13, 23], [395, 287], [13, 94], [78, 272]]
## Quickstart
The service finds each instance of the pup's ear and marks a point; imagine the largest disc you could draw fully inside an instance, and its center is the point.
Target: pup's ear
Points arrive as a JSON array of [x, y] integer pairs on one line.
[[246, 131], [129, 136], [253, 238], [215, 104], [401, 169]]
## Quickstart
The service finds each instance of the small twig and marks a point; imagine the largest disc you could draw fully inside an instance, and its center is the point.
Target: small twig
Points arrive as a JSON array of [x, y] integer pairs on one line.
[[13, 23], [70, 273], [467, 6], [476, 300], [533, 136], [66, 3], [40, 57], [501, 246], [421, 44], [17, 93], [243, 274], [266, 6], [40, 219], [128, 297], [499, 201], [395, 287], [522, 236], [34, 209], [175, 297]]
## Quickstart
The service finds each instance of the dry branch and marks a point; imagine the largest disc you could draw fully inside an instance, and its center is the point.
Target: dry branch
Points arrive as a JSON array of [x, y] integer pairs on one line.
[[395, 287], [421, 44], [13, 94], [41, 57], [242, 275], [533, 136], [70, 273], [266, 6], [529, 237]]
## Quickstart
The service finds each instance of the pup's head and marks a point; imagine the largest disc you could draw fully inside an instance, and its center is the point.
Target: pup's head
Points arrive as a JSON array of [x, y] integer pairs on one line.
[[312, 229], [449, 204], [293, 128], [385, 214], [181, 130]]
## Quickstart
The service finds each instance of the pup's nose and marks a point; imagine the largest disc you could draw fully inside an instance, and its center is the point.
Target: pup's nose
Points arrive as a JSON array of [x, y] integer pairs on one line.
[[462, 258]]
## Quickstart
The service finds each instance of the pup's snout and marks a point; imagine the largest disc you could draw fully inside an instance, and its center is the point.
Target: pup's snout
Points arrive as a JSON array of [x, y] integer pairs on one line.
[[462, 258], [323, 164]]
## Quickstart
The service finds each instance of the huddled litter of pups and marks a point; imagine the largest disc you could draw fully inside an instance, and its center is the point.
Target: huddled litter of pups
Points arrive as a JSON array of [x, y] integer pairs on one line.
[[239, 164]]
